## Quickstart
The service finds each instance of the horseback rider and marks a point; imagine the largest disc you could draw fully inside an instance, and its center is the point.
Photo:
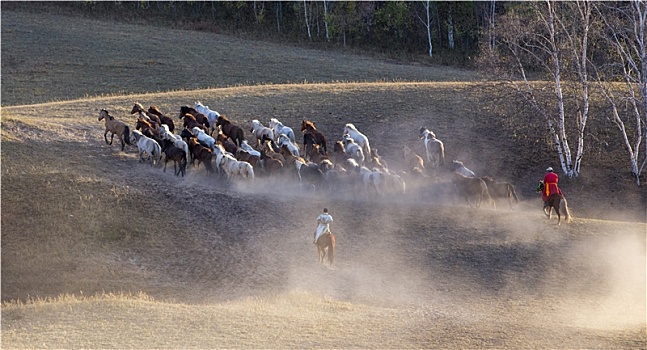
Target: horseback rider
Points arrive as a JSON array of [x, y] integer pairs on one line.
[[548, 185], [323, 221]]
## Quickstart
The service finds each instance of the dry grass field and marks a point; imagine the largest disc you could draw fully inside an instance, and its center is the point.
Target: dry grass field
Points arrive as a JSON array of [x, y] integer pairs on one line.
[[101, 251]]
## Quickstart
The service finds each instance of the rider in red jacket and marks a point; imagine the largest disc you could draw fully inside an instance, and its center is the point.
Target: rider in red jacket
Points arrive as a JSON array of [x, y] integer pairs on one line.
[[550, 185]]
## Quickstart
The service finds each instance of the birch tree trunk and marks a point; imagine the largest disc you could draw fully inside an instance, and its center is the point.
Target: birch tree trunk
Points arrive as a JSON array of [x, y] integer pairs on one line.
[[305, 11], [450, 27], [325, 5], [628, 37]]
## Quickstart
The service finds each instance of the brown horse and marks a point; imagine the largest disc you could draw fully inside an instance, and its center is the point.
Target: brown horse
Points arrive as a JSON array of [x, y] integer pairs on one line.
[[201, 153], [234, 132], [554, 201], [163, 118], [326, 246], [199, 117], [115, 127], [308, 127], [501, 190], [190, 122], [227, 143], [413, 161], [471, 187], [150, 117]]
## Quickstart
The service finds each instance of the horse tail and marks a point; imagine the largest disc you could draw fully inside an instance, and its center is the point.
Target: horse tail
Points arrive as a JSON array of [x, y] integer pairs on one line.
[[442, 154], [567, 213], [126, 135], [331, 250], [514, 194]]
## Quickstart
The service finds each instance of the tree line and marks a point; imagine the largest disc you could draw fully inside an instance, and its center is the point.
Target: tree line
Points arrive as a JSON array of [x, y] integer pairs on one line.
[[579, 48]]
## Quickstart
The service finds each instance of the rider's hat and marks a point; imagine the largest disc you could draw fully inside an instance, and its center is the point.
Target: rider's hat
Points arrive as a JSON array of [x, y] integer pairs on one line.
[[550, 169]]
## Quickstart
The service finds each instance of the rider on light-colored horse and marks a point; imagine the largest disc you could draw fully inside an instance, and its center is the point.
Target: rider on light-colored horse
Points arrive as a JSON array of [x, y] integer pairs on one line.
[[323, 221]]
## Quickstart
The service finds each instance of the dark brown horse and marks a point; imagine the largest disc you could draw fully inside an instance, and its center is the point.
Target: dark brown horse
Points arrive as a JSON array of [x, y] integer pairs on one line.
[[326, 246], [190, 122], [231, 130], [199, 117], [201, 153], [308, 127], [163, 118], [177, 155], [227, 143], [471, 187], [554, 201], [150, 117], [501, 190]]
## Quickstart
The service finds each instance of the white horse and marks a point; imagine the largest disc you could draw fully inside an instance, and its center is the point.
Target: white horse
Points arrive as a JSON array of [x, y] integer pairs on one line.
[[433, 147], [260, 132], [279, 129], [176, 139], [203, 137], [212, 116], [457, 166], [359, 138], [149, 146], [249, 149], [234, 167], [353, 149], [284, 140]]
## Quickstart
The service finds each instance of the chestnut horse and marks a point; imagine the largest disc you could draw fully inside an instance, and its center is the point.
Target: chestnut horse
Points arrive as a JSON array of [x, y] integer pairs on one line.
[[115, 127], [234, 132], [308, 127], [501, 190], [554, 201], [326, 246]]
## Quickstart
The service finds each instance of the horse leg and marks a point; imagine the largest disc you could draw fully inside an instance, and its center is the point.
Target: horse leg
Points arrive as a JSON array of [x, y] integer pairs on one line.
[[105, 137], [112, 136]]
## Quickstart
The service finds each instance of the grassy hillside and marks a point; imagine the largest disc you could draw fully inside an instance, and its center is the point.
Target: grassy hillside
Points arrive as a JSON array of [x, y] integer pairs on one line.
[[103, 251]]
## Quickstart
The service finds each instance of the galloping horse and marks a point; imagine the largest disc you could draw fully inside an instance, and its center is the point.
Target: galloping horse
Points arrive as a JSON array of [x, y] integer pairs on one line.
[[554, 201], [308, 127], [149, 146], [326, 246], [234, 132], [359, 138], [210, 114], [279, 129], [414, 162], [433, 147], [150, 117], [115, 127], [163, 118], [500, 190], [261, 132], [470, 187], [201, 118]]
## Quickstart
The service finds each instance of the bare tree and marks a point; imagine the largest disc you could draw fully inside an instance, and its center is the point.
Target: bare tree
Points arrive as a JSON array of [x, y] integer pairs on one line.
[[305, 11], [553, 38], [326, 19], [626, 23]]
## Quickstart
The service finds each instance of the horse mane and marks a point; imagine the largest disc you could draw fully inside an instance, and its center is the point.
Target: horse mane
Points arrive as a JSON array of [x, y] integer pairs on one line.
[[145, 122], [351, 126], [308, 125], [224, 118], [155, 110], [487, 178]]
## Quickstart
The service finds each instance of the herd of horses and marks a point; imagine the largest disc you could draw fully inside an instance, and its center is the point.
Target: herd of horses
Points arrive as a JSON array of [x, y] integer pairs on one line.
[[206, 137]]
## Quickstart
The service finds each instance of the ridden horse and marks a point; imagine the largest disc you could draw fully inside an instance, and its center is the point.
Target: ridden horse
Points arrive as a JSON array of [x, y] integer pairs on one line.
[[554, 201], [433, 147], [163, 118], [308, 127], [149, 146], [199, 117], [115, 127], [500, 190], [234, 132], [261, 132], [279, 129], [359, 138], [177, 155], [326, 246], [470, 187], [414, 162]]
